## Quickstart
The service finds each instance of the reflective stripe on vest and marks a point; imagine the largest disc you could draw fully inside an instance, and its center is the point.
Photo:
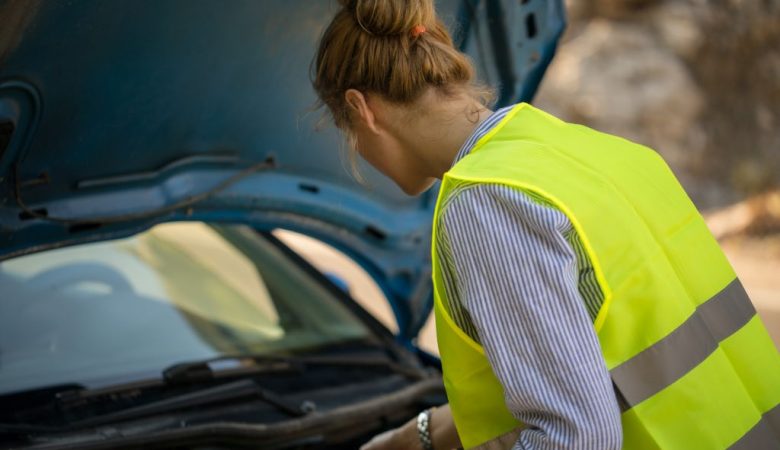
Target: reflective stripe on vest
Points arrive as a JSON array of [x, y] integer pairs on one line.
[[764, 434], [669, 359], [692, 364]]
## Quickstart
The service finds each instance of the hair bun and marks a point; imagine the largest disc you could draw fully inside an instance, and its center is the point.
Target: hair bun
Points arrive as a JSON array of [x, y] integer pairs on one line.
[[390, 17]]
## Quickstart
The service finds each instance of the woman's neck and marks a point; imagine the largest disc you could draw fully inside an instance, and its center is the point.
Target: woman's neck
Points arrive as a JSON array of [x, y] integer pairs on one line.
[[436, 136]]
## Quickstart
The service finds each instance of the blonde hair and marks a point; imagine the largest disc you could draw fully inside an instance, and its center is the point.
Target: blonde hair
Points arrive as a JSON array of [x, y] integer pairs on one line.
[[376, 46]]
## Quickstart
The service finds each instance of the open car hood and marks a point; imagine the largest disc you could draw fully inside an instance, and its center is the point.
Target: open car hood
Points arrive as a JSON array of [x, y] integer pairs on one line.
[[116, 115]]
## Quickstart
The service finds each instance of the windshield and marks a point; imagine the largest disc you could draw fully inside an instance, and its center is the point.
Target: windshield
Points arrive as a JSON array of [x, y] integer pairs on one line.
[[115, 311]]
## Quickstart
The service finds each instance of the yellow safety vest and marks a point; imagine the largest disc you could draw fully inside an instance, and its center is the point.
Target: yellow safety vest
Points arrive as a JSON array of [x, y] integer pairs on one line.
[[692, 364]]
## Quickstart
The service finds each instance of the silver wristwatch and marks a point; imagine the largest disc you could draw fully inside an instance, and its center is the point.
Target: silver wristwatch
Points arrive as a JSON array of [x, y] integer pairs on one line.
[[424, 429]]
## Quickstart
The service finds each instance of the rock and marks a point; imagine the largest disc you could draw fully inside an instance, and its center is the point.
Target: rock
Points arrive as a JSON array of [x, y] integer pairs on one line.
[[677, 24], [757, 216], [616, 78], [614, 9]]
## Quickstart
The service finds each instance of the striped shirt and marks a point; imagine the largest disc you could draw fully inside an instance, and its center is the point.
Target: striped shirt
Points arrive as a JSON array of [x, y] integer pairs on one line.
[[519, 282]]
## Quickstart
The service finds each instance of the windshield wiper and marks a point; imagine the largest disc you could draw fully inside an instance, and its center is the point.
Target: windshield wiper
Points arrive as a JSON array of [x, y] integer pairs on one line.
[[244, 389], [208, 369], [237, 390]]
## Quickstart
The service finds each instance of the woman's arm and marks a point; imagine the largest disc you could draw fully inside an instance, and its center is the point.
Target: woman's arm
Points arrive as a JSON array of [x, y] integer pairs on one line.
[[517, 277]]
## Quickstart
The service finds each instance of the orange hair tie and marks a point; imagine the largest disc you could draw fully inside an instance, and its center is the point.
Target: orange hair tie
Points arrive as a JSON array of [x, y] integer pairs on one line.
[[418, 30]]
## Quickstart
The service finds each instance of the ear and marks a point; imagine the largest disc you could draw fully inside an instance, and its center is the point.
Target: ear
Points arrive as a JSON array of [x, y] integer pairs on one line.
[[359, 108]]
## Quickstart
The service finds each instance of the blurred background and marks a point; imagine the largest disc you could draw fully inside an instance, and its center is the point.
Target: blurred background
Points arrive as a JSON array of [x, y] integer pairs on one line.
[[697, 80]]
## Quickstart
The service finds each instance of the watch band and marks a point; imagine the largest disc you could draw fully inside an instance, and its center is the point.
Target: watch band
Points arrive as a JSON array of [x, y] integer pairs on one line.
[[424, 429]]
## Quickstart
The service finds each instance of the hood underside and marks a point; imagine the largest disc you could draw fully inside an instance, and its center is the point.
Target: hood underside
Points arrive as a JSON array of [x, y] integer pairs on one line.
[[116, 115]]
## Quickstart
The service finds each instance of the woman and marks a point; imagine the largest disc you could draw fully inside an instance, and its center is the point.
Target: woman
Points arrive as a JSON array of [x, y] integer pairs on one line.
[[580, 300]]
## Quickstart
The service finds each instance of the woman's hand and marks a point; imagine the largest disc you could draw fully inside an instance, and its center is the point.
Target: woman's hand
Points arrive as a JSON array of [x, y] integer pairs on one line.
[[443, 434], [402, 438]]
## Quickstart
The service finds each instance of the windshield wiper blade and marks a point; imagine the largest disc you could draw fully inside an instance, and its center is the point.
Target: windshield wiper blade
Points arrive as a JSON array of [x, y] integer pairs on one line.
[[207, 369], [224, 366], [244, 389]]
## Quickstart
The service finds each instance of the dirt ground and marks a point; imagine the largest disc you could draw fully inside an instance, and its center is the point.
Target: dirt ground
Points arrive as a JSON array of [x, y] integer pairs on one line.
[[756, 261]]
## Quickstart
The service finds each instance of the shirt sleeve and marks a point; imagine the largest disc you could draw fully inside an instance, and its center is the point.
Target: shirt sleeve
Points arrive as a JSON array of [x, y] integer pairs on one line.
[[516, 276]]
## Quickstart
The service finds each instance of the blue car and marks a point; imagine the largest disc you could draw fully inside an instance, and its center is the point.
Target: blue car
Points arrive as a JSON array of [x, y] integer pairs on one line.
[[149, 149]]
